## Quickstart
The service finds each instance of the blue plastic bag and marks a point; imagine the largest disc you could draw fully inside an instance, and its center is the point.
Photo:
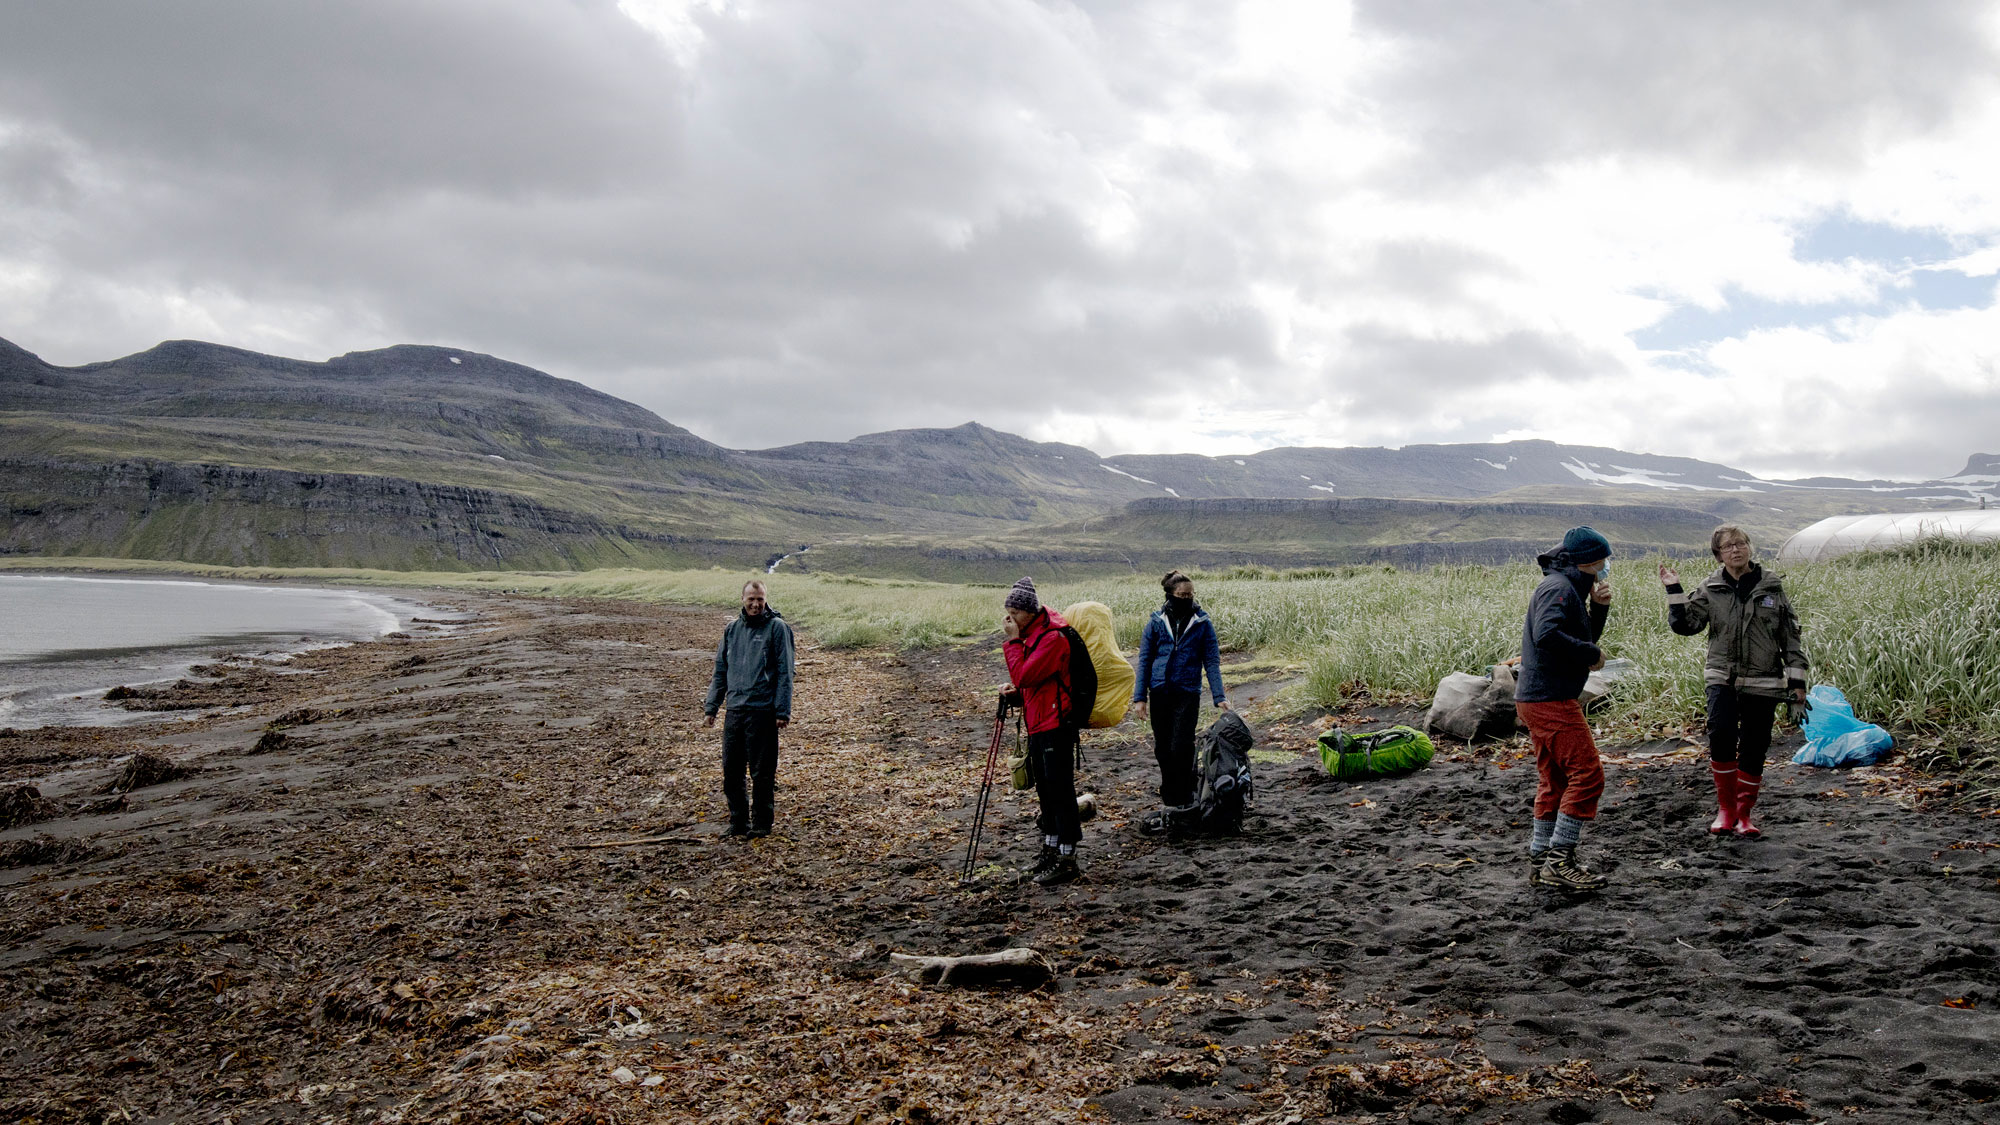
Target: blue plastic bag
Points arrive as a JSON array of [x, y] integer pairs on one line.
[[1834, 737], [1826, 704], [1862, 747]]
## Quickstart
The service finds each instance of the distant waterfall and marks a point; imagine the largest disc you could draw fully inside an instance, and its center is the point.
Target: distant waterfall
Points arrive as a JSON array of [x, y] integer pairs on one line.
[[772, 566]]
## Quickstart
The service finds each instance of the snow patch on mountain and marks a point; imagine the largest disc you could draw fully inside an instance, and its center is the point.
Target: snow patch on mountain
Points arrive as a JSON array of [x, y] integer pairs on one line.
[[1123, 473], [1644, 478]]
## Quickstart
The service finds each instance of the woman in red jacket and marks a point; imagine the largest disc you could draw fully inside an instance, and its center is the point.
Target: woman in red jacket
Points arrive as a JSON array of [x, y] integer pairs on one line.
[[1038, 664]]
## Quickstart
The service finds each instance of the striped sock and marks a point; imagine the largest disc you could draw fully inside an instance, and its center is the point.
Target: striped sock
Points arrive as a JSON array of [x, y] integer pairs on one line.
[[1544, 830], [1569, 830]]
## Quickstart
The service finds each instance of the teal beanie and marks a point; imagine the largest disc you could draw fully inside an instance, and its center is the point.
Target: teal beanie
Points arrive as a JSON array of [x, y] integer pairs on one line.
[[1585, 545]]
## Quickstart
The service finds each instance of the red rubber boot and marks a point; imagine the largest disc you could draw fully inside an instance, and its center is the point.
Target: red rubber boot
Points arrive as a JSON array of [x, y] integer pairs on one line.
[[1746, 799], [1725, 798]]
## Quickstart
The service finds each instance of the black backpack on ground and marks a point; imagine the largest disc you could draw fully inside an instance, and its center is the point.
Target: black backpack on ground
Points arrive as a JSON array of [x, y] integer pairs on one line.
[[1082, 693], [1224, 756], [1222, 768]]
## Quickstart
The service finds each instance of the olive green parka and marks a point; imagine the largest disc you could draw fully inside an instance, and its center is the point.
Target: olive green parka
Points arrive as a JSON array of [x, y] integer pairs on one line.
[[1754, 644]]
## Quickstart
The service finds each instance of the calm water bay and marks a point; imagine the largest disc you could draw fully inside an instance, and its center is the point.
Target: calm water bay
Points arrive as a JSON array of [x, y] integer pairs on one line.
[[65, 640]]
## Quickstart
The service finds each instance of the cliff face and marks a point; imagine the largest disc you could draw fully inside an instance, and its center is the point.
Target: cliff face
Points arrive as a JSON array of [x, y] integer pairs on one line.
[[249, 517]]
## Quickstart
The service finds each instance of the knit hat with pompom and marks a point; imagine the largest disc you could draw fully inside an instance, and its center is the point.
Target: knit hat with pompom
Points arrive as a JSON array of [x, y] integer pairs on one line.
[[1022, 596]]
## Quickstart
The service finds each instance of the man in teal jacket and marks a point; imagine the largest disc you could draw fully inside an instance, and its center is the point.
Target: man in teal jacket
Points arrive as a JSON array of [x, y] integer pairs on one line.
[[753, 681]]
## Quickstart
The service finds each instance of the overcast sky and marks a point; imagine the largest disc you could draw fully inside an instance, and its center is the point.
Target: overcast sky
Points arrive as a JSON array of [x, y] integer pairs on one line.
[[1766, 234]]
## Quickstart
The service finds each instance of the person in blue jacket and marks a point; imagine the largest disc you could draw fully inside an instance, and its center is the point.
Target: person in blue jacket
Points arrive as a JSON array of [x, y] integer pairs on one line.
[[1179, 643]]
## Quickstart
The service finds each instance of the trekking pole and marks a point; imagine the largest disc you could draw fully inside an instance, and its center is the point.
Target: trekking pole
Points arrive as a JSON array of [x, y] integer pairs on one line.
[[985, 792]]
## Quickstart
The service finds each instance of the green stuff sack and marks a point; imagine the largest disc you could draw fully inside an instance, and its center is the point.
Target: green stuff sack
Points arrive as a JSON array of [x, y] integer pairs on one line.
[[1020, 774], [1380, 753]]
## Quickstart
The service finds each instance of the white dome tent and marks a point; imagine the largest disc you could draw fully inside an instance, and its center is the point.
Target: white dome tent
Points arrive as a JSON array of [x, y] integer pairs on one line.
[[1844, 535]]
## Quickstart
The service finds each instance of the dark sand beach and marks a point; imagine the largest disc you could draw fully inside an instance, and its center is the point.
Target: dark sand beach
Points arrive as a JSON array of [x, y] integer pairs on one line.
[[377, 898]]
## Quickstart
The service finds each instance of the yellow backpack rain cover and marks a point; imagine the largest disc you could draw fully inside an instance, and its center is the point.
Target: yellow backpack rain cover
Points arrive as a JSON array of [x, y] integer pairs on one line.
[[1115, 678]]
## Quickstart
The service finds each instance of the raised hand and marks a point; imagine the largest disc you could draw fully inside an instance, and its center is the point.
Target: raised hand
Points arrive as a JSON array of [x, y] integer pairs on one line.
[[1669, 576]]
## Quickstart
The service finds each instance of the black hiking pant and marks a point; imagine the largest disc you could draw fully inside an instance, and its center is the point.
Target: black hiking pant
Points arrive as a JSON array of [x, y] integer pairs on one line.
[[1739, 728], [1173, 713], [750, 742], [1053, 753]]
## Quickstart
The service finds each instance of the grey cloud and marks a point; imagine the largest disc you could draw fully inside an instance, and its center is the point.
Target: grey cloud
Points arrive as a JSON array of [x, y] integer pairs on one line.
[[354, 99], [36, 170], [1387, 371], [1920, 427], [1519, 83]]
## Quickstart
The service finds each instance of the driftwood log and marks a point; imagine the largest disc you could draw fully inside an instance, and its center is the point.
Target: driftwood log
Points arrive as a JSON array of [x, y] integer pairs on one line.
[[1021, 968], [665, 834]]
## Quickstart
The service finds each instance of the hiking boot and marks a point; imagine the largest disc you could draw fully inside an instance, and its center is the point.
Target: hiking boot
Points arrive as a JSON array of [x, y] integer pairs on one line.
[[1063, 870], [736, 830], [1042, 865], [1535, 876], [1561, 871], [759, 832]]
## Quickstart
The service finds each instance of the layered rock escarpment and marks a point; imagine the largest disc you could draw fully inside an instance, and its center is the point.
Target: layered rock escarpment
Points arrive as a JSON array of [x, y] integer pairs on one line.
[[269, 517]]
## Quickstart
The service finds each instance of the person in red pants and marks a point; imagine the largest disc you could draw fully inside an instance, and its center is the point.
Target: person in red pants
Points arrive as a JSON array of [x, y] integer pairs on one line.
[[1756, 660], [1559, 650]]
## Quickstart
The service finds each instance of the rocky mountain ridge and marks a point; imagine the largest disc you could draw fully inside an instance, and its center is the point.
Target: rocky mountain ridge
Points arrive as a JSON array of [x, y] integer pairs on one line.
[[210, 453]]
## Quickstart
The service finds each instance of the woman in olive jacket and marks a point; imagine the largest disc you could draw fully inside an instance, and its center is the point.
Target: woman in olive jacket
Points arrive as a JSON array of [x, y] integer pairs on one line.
[[1756, 660]]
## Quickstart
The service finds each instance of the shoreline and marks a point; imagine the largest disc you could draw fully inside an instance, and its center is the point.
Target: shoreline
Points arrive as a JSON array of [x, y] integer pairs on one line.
[[66, 686]]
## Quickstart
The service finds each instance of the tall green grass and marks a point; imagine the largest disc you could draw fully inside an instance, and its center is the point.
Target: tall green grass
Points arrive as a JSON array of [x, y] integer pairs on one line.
[[1912, 637]]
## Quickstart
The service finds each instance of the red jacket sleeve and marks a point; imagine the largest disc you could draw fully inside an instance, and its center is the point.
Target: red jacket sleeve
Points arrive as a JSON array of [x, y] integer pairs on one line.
[[1035, 659]]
